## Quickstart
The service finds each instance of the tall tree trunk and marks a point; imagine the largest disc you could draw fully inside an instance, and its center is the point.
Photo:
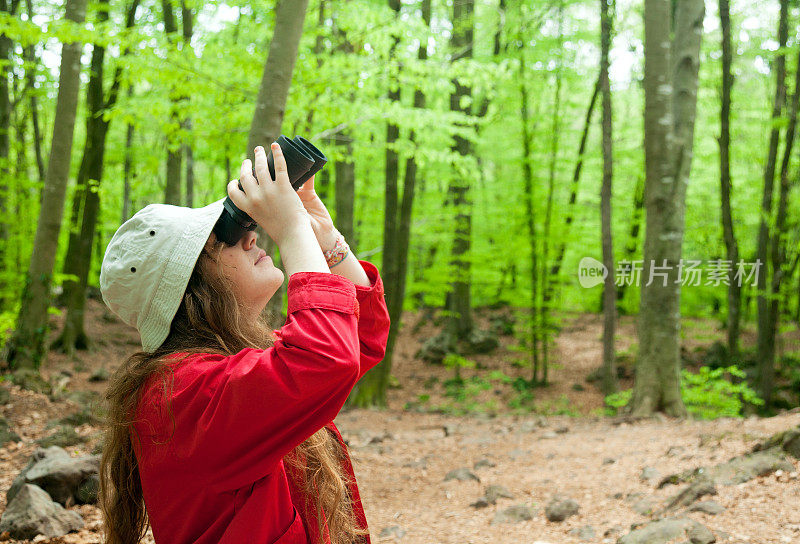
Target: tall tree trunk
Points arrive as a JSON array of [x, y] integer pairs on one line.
[[544, 326], [636, 212], [344, 190], [569, 218], [172, 188], [766, 336], [90, 174], [731, 246], [530, 209], [390, 254], [778, 246], [26, 349], [272, 94], [128, 174], [371, 389], [670, 84], [6, 46], [609, 287], [459, 321], [187, 123]]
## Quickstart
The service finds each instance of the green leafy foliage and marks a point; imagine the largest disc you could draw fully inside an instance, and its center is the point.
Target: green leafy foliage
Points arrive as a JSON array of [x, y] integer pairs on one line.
[[707, 394]]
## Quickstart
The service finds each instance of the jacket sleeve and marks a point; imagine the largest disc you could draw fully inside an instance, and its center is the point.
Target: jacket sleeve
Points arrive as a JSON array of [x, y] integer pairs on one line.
[[254, 407], [373, 321]]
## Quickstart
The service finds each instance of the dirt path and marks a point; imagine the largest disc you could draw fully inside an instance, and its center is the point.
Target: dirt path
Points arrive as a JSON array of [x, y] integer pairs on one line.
[[402, 456], [591, 462]]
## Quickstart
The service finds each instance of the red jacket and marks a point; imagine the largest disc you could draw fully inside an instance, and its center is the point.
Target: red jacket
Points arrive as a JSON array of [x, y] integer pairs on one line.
[[211, 462]]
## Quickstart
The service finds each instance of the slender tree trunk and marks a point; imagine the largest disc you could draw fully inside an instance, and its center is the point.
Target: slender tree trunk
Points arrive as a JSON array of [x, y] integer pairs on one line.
[[545, 328], [670, 106], [187, 123], [272, 95], [344, 190], [731, 246], [609, 287], [766, 337], [459, 321], [637, 210], [79, 254], [127, 169], [371, 389], [391, 172], [6, 46], [26, 349], [172, 188], [530, 214], [569, 217], [778, 245]]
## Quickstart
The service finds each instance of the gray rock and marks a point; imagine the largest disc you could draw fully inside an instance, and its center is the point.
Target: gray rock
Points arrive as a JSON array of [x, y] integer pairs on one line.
[[700, 534], [481, 341], [6, 434], [32, 512], [746, 467], [461, 474], [549, 434], [648, 474], [514, 514], [698, 488], [583, 533], [665, 530], [434, 349], [609, 461], [395, 531], [502, 324], [644, 506], [494, 492], [483, 463], [60, 475], [788, 441], [707, 507], [517, 453], [560, 508]]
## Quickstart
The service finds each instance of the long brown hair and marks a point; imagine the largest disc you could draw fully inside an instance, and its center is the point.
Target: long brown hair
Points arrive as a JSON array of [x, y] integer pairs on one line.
[[209, 320]]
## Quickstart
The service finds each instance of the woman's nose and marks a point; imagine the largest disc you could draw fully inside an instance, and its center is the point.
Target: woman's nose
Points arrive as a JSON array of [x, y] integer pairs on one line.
[[249, 240]]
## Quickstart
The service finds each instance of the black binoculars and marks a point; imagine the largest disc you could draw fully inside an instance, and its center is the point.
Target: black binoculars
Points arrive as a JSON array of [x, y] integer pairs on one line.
[[303, 160]]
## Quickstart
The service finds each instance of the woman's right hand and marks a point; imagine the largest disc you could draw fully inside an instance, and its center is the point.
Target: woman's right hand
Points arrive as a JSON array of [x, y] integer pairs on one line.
[[273, 204]]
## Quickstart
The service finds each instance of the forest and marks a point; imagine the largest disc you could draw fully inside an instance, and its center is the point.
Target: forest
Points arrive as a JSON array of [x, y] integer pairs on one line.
[[585, 215]]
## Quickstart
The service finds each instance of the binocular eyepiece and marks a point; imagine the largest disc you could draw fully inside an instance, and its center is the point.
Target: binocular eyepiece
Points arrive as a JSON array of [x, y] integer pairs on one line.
[[303, 160]]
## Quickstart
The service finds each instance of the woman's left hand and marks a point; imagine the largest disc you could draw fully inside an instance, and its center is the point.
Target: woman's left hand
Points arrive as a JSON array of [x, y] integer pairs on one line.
[[321, 220]]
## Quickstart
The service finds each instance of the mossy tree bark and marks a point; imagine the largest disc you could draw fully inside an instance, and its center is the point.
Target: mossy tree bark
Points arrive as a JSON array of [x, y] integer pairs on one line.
[[78, 261], [670, 83], [609, 372], [766, 332], [272, 94], [27, 348]]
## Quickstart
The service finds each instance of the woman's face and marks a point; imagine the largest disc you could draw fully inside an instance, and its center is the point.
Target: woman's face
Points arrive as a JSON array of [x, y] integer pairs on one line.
[[252, 272]]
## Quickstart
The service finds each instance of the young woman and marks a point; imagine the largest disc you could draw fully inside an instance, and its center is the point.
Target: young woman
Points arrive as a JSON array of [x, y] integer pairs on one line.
[[221, 429]]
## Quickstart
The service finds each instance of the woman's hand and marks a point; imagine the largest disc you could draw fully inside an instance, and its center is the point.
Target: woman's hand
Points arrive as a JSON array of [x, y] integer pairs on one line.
[[321, 220], [273, 204]]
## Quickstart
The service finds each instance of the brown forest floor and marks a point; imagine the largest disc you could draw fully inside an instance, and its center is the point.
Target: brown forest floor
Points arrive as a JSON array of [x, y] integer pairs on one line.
[[558, 444]]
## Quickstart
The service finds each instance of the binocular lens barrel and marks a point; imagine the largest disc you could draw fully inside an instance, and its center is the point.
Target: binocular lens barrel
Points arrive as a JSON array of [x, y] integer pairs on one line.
[[303, 160]]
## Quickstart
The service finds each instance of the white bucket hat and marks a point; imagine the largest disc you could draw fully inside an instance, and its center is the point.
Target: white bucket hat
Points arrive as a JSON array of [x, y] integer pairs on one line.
[[148, 263]]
